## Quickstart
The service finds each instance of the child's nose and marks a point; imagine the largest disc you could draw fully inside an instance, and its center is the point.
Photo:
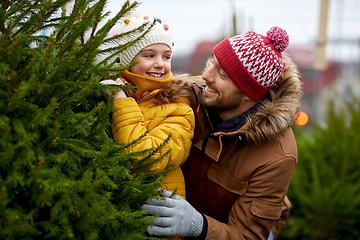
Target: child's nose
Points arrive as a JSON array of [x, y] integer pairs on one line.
[[158, 63]]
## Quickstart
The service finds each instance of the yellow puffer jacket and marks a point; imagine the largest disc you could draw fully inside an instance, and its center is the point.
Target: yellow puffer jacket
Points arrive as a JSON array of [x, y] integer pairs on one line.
[[133, 118]]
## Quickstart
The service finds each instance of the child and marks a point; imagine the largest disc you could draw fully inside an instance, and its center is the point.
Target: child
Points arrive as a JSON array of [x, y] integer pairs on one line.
[[157, 108]]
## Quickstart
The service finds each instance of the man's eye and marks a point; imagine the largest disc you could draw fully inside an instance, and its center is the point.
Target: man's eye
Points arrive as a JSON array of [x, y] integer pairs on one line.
[[222, 74]]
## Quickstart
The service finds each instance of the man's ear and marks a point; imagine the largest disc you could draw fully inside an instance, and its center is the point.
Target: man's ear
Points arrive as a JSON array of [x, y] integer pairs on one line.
[[246, 99]]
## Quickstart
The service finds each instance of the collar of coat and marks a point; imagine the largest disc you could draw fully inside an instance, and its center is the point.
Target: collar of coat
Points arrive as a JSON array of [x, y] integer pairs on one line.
[[148, 86]]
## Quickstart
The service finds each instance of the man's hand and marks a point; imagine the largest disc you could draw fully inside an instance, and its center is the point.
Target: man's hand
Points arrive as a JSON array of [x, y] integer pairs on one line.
[[119, 94], [176, 217]]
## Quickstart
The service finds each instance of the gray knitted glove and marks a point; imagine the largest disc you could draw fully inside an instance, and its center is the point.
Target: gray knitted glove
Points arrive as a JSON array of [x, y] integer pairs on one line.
[[176, 217]]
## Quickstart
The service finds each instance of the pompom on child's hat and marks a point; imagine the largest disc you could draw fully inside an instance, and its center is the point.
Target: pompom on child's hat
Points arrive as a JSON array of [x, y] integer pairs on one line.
[[157, 34], [253, 61]]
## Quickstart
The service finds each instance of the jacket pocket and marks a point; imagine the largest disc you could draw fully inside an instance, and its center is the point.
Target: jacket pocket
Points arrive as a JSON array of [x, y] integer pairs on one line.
[[227, 179], [264, 209]]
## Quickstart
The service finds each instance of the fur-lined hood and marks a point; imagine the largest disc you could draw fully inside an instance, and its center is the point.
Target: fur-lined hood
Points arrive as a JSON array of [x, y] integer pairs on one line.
[[274, 116], [277, 115]]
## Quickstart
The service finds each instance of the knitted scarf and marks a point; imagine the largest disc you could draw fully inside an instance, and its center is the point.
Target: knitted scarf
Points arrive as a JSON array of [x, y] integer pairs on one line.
[[146, 85]]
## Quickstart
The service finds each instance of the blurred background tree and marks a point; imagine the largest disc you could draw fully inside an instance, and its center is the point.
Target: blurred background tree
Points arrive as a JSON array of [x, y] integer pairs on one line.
[[325, 188], [61, 174]]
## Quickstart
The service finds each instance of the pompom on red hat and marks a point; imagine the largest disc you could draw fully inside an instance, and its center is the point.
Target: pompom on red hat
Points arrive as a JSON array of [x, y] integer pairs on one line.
[[252, 61]]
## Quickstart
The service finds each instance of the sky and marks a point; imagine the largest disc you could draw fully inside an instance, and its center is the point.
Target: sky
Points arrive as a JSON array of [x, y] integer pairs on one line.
[[193, 21]]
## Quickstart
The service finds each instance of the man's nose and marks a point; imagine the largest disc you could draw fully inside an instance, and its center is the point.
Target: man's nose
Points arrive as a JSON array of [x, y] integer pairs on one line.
[[208, 75]]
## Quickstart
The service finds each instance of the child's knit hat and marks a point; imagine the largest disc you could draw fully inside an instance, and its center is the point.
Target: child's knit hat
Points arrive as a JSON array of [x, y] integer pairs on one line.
[[157, 34], [252, 61]]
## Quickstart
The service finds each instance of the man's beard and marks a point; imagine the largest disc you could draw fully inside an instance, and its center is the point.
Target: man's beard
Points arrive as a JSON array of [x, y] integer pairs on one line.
[[221, 103]]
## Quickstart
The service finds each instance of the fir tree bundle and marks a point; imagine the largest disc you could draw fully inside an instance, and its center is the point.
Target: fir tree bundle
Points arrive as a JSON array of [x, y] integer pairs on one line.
[[61, 174]]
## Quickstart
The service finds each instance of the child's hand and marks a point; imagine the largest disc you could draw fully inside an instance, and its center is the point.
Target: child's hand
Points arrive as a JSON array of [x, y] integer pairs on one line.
[[119, 94]]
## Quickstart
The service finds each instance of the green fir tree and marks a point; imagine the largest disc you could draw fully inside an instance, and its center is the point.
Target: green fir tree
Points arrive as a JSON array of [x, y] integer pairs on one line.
[[325, 188], [61, 174]]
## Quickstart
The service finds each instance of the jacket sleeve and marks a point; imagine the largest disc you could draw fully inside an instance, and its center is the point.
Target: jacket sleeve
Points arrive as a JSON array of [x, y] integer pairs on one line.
[[177, 119], [280, 223], [254, 214]]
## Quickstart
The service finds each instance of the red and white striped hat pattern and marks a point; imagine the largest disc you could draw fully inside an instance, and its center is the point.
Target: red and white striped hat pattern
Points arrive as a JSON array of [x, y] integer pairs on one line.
[[252, 61]]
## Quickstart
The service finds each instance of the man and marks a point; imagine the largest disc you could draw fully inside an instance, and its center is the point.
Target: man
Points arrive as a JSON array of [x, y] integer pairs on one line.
[[244, 152]]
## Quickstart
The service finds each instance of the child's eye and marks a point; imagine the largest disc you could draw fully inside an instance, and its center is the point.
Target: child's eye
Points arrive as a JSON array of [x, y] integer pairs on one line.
[[149, 55], [167, 57]]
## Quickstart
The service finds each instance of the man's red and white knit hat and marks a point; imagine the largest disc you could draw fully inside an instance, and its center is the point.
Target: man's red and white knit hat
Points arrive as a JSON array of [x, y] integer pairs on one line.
[[252, 61]]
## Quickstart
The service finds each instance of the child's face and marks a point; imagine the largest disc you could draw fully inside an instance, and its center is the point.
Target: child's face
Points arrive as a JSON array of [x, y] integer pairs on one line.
[[154, 61]]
